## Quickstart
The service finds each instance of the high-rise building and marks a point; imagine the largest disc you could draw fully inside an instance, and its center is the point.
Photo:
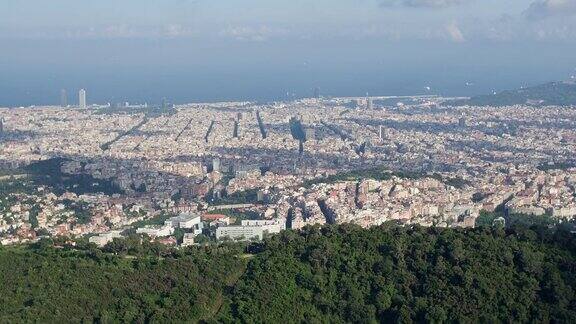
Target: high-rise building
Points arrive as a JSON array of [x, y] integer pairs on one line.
[[82, 99], [381, 133], [317, 93], [1, 127], [462, 122], [63, 98], [369, 104], [165, 104]]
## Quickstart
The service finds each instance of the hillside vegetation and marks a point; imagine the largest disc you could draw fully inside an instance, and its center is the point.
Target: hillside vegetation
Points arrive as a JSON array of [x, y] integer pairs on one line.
[[331, 274], [549, 94]]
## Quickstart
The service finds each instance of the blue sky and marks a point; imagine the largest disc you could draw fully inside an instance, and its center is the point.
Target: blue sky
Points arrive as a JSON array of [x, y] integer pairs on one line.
[[194, 50]]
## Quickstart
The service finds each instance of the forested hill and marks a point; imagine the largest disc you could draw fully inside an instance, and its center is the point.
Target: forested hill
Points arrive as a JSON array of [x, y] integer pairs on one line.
[[347, 274], [331, 274], [549, 94]]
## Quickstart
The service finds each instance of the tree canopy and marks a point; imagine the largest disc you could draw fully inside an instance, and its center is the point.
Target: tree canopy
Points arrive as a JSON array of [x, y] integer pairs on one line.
[[331, 274]]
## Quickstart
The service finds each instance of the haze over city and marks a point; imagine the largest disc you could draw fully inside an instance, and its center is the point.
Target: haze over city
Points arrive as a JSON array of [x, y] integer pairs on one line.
[[193, 51]]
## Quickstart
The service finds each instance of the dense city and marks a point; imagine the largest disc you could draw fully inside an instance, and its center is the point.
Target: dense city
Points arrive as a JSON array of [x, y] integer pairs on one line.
[[200, 173]]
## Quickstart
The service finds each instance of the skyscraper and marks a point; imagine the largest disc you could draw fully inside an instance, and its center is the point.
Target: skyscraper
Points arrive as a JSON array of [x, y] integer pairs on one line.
[[63, 98], [82, 98], [369, 104], [1, 126], [317, 93]]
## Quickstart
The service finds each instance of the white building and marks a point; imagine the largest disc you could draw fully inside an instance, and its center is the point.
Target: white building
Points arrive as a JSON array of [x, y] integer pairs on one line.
[[82, 99], [250, 229], [269, 226], [104, 238], [186, 221], [564, 212], [240, 232], [156, 231], [188, 239]]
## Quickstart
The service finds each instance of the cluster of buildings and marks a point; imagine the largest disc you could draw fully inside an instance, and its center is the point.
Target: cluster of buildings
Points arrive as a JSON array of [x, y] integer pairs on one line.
[[536, 193], [516, 158], [39, 212], [367, 203], [81, 99], [195, 224]]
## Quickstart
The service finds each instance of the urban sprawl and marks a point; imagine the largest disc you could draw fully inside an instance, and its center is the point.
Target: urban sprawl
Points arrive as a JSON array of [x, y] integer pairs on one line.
[[196, 173]]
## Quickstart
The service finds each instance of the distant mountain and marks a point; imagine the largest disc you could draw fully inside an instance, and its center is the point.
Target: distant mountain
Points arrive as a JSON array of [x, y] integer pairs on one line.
[[561, 93]]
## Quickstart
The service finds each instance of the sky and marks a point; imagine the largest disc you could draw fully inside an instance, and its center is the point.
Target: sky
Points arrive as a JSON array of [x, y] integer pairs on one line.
[[210, 50]]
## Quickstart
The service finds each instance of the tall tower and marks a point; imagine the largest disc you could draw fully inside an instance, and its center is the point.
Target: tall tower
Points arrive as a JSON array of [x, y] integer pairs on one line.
[[369, 104], [1, 127], [381, 133], [63, 98], [82, 98]]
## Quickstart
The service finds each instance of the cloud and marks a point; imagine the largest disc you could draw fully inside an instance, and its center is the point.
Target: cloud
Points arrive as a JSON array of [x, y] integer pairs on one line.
[[541, 9], [122, 31], [255, 34], [455, 33], [422, 3]]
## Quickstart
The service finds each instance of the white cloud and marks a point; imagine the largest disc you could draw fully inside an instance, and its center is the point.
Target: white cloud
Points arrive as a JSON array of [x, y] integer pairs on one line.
[[106, 32], [422, 3], [455, 33], [545, 8], [255, 34]]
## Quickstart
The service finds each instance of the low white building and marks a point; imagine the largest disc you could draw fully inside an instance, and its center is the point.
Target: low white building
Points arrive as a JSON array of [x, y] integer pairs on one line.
[[104, 238], [156, 231], [564, 212], [185, 221], [188, 239], [269, 226], [240, 232], [526, 209], [250, 229]]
